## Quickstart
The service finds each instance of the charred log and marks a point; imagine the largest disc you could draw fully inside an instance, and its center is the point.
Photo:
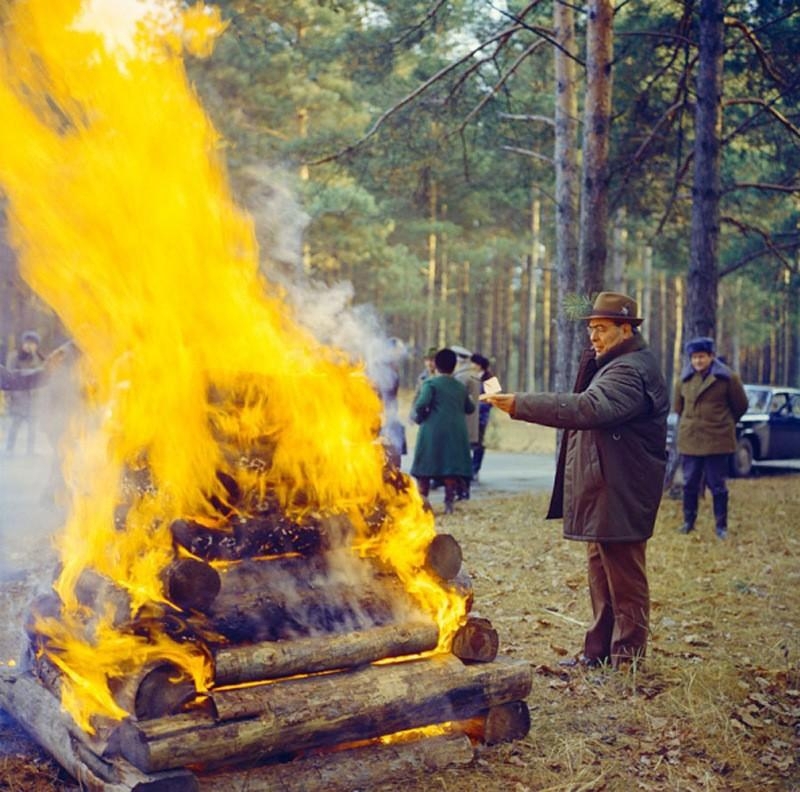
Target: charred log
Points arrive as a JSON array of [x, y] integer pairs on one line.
[[267, 720], [476, 641], [191, 584], [155, 690], [444, 557]]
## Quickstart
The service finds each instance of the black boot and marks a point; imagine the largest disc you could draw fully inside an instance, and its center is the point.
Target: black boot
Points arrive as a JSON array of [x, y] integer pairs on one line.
[[721, 514]]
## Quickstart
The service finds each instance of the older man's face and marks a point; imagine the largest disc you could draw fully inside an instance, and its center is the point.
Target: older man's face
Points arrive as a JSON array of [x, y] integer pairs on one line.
[[605, 335]]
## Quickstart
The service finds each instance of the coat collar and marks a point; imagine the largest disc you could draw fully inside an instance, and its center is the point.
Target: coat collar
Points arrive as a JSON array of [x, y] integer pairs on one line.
[[633, 344], [718, 370]]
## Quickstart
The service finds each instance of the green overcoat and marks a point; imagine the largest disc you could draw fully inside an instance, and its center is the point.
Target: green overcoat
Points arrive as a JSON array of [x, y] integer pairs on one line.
[[442, 447]]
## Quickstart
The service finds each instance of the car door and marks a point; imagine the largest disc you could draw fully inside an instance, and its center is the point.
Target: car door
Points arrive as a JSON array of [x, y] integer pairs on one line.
[[784, 429]]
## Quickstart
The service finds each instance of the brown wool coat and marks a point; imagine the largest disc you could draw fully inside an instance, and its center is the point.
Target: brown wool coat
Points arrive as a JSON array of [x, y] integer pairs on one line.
[[610, 475], [709, 409]]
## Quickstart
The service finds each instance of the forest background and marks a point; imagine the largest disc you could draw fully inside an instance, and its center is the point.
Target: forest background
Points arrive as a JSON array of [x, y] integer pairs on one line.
[[476, 171]]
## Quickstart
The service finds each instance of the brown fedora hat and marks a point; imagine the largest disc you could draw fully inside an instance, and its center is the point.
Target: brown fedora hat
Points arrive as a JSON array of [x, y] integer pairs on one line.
[[615, 306]]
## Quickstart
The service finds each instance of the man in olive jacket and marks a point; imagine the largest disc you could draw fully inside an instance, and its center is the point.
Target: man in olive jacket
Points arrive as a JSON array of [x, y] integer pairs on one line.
[[709, 400], [610, 471]]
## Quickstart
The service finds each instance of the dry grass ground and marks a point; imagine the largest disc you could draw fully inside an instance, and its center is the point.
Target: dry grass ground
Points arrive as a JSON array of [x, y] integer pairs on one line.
[[715, 707]]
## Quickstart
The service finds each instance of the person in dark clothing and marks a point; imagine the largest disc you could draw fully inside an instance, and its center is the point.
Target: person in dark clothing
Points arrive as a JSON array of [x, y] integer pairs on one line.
[[610, 471], [21, 406], [442, 447], [709, 400], [484, 372]]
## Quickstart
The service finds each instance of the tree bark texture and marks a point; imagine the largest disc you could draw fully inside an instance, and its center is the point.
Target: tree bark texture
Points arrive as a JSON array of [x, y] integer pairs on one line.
[[276, 659], [331, 709], [363, 767], [596, 123], [40, 714], [567, 191], [703, 279]]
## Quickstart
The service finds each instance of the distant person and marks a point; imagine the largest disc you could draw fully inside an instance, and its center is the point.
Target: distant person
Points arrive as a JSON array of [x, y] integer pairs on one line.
[[393, 431], [21, 403], [465, 373], [442, 447], [481, 370], [709, 400], [610, 471]]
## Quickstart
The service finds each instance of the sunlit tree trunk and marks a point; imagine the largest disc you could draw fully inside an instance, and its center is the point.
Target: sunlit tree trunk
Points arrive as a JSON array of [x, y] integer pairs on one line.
[[566, 171], [596, 123], [432, 252], [701, 302]]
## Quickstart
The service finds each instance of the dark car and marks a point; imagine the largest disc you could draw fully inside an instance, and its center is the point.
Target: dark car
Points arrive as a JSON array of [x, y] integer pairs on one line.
[[769, 430]]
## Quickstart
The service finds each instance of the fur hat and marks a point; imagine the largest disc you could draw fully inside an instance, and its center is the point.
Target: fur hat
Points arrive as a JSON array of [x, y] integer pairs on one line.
[[700, 344], [617, 307], [461, 351]]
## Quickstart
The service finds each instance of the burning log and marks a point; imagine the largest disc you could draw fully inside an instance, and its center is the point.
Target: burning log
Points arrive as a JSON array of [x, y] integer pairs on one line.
[[191, 584], [444, 557], [271, 660], [40, 714], [277, 599], [361, 767], [272, 719], [100, 594], [476, 641], [266, 534], [158, 689]]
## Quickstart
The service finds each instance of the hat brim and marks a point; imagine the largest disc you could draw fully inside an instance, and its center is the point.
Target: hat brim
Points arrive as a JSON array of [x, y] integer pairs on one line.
[[616, 317]]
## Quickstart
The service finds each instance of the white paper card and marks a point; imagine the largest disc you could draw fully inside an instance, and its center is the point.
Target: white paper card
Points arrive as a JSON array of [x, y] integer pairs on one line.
[[492, 385]]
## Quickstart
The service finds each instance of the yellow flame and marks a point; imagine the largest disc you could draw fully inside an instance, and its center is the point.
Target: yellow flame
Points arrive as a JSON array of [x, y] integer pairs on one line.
[[121, 214]]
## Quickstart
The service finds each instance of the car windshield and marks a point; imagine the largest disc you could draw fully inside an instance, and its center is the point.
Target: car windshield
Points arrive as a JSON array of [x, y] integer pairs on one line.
[[757, 400]]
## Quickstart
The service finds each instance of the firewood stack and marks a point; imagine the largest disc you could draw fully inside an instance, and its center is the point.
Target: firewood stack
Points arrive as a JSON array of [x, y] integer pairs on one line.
[[326, 674]]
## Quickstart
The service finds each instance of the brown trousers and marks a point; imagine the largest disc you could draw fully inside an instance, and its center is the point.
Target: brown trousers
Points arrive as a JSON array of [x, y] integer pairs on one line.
[[620, 601]]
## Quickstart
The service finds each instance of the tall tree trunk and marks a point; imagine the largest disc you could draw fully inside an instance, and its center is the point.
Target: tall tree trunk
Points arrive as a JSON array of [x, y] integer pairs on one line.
[[703, 280], [596, 121], [430, 325], [566, 166]]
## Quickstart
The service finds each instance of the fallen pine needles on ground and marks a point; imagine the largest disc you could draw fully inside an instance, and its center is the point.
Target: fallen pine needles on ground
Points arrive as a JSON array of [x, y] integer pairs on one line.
[[716, 706]]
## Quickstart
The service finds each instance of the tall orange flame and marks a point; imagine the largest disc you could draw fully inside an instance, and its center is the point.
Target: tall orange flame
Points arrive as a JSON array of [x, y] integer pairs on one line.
[[124, 223]]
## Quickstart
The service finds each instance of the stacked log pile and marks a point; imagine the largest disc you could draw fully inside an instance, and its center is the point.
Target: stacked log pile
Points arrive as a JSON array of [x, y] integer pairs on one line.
[[320, 680]]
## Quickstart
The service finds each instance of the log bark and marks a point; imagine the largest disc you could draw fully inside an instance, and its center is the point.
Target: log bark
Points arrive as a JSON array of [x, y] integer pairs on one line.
[[191, 584], [272, 660], [289, 598], [100, 594], [444, 557], [40, 714], [506, 722], [364, 767], [330, 709], [476, 641], [158, 689]]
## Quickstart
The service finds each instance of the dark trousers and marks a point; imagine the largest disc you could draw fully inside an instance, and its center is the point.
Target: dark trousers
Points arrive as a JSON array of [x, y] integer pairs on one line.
[[714, 469], [451, 484], [620, 601]]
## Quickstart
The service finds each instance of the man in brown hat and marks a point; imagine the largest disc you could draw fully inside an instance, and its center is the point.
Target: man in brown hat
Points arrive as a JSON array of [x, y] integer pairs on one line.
[[610, 471]]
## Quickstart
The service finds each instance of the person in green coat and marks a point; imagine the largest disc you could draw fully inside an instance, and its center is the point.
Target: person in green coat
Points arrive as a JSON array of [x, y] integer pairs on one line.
[[442, 449]]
